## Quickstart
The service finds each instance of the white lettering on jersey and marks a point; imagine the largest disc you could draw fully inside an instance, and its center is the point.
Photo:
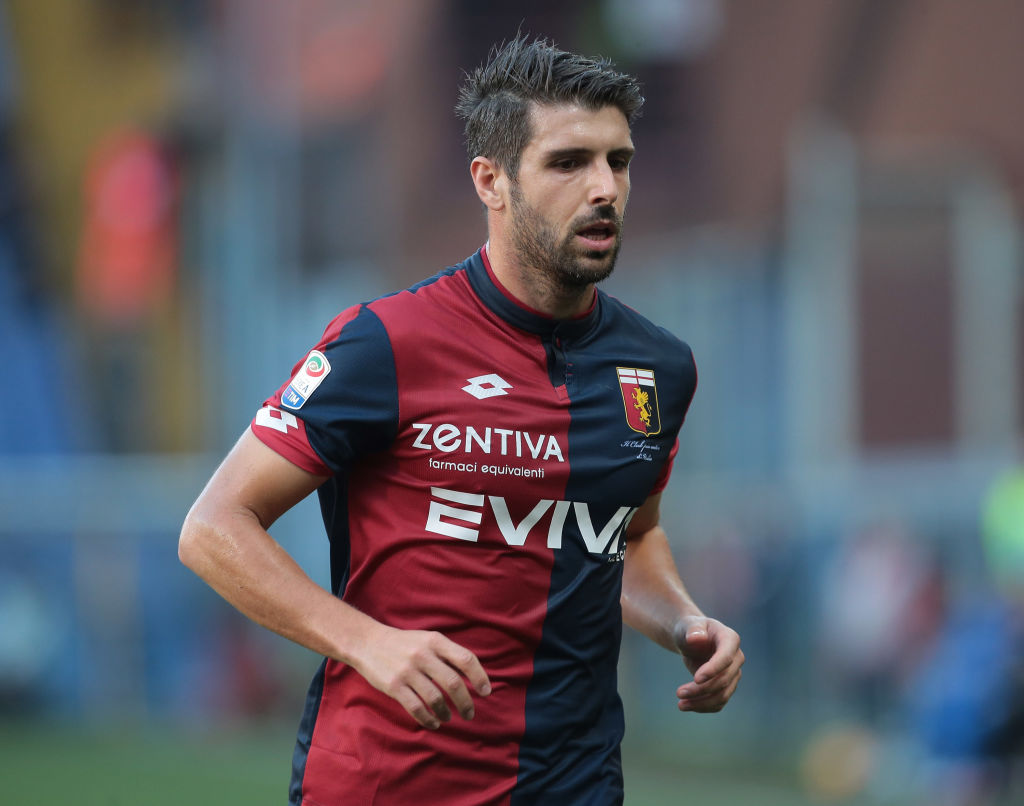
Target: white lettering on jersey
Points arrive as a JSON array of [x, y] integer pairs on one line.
[[608, 540], [516, 535], [473, 435], [424, 429], [437, 509], [447, 438], [553, 450], [271, 417], [504, 433], [471, 511], [557, 525], [534, 449]]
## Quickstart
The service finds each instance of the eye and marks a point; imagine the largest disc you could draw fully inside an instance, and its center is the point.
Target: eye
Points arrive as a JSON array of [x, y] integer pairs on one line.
[[567, 164]]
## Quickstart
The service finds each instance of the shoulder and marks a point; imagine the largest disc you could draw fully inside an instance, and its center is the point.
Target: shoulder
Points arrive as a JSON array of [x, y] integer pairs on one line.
[[430, 313], [445, 288], [381, 316], [633, 328]]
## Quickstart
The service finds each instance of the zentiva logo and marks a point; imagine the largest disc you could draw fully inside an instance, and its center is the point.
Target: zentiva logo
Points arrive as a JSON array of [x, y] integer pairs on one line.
[[450, 509], [447, 438]]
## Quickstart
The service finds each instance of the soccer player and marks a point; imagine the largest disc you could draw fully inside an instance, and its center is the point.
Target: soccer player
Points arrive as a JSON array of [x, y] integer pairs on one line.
[[489, 448]]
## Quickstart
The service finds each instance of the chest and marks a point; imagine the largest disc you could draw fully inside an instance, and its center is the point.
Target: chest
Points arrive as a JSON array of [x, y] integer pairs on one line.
[[526, 418]]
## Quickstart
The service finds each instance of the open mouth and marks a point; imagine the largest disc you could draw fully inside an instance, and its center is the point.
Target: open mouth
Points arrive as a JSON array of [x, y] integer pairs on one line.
[[600, 235]]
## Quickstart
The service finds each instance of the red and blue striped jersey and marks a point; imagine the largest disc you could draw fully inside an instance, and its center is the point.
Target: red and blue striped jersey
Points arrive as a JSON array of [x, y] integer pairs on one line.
[[484, 463]]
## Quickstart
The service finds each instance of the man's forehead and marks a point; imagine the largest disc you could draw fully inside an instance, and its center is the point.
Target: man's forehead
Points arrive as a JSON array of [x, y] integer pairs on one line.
[[571, 125]]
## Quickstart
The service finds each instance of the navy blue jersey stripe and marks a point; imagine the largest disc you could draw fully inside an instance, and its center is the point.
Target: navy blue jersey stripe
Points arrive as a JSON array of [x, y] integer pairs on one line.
[[574, 718], [357, 404], [305, 735]]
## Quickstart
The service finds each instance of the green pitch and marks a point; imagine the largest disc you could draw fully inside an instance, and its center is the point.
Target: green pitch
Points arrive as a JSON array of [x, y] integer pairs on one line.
[[58, 765]]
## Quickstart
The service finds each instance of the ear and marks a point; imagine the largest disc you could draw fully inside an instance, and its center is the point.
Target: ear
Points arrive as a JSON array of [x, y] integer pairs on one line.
[[490, 181]]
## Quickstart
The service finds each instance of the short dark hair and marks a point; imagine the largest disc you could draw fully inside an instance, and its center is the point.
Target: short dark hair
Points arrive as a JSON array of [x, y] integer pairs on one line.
[[495, 98]]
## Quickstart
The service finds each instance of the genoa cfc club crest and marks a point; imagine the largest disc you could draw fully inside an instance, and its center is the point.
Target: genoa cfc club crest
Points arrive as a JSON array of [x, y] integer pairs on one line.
[[640, 397]]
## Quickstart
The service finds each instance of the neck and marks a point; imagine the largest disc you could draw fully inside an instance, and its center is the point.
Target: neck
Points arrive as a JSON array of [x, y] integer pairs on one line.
[[534, 288]]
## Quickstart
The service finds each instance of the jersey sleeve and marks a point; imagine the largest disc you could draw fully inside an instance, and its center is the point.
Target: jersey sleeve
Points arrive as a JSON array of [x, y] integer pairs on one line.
[[341, 400], [689, 389], [666, 470]]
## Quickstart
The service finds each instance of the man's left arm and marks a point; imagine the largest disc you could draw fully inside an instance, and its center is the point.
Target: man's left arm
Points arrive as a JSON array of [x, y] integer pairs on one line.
[[655, 602]]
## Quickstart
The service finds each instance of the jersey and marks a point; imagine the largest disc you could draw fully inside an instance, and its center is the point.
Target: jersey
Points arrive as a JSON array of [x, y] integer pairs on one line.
[[484, 462]]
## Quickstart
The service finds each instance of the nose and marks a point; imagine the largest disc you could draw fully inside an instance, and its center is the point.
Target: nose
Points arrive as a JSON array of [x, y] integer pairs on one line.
[[603, 189]]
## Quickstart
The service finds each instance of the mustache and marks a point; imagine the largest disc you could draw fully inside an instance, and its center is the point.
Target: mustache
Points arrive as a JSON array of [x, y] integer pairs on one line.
[[604, 212]]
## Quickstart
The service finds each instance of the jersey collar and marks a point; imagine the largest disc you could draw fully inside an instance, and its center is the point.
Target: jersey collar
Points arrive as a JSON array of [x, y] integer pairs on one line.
[[496, 297]]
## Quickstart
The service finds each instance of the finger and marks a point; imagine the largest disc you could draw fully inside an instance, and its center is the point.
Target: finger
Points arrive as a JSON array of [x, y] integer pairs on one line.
[[727, 649], [466, 662], [702, 707], [696, 633], [695, 641], [712, 686], [705, 693], [707, 706], [695, 693], [411, 702], [714, 683], [451, 683], [711, 701], [431, 696]]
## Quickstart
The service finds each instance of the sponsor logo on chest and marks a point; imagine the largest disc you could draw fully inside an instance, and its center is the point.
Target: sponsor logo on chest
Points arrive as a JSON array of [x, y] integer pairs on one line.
[[449, 438], [458, 514]]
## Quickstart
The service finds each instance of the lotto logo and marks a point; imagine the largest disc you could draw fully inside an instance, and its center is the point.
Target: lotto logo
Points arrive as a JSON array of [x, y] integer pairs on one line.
[[485, 386]]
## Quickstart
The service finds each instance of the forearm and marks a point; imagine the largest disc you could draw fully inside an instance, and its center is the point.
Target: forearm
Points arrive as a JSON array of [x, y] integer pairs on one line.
[[654, 598], [226, 542], [236, 556]]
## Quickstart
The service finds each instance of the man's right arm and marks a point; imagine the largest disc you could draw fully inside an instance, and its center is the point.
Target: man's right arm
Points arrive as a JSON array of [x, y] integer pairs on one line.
[[225, 541]]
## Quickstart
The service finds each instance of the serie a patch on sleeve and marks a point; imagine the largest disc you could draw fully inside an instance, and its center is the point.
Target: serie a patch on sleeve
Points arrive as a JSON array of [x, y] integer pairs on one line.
[[314, 369]]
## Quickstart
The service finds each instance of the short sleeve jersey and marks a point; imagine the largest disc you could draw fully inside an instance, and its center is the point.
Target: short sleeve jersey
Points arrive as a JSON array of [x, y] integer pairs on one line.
[[484, 461]]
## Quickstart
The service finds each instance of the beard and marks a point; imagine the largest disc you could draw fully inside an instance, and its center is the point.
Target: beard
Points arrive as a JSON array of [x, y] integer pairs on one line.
[[562, 262]]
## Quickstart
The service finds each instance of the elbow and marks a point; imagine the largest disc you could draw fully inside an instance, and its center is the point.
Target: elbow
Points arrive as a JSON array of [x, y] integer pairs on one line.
[[187, 544], [209, 539], [191, 550]]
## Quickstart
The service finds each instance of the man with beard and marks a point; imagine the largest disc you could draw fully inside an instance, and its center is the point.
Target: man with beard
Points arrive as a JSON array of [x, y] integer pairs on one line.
[[489, 448]]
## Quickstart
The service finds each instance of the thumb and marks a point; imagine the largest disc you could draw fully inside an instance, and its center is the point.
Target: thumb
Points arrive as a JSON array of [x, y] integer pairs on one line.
[[696, 635], [692, 636], [694, 642]]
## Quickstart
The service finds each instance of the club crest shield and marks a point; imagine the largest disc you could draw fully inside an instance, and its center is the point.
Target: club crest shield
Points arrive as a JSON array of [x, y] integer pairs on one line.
[[640, 399]]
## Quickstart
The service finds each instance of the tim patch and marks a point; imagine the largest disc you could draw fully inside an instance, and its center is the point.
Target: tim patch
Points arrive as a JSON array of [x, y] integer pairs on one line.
[[315, 368]]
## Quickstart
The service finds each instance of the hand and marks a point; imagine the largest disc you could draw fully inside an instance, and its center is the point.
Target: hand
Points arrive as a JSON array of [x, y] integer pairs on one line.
[[418, 669], [711, 651]]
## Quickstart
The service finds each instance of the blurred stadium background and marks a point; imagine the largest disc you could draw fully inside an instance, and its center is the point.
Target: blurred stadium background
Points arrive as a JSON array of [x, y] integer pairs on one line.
[[827, 205]]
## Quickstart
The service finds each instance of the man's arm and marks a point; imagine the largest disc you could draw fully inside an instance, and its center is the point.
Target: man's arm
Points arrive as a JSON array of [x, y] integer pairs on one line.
[[225, 541], [655, 602]]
